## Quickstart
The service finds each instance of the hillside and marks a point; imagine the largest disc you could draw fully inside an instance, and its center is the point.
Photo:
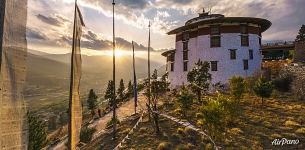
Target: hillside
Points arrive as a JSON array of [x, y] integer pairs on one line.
[[48, 76]]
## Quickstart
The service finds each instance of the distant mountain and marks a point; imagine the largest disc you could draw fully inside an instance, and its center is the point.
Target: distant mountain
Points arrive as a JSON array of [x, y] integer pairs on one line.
[[48, 74]]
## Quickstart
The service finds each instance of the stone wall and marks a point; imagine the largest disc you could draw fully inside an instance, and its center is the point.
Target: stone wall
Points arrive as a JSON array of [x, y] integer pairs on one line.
[[298, 84], [299, 54]]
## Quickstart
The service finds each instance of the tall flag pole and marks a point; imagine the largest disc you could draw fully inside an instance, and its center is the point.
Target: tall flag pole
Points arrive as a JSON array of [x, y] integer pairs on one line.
[[148, 75], [135, 90], [113, 77], [75, 106], [13, 56]]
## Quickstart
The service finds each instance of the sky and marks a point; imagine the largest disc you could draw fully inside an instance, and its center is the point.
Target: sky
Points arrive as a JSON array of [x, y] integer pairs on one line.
[[50, 22]]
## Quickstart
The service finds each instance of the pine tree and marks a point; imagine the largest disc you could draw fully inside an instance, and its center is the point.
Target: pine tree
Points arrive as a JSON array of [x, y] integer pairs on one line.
[[121, 94], [109, 92], [237, 87], [37, 132], [92, 101], [185, 100], [158, 88], [129, 89], [301, 34], [199, 78], [263, 88]]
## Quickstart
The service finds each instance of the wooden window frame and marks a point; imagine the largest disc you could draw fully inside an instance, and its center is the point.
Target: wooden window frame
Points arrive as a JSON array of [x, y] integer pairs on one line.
[[244, 43], [214, 38], [251, 54], [214, 68], [232, 51], [246, 64], [185, 66]]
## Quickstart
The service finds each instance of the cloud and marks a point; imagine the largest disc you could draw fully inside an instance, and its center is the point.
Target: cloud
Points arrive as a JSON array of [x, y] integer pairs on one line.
[[36, 34], [56, 20]]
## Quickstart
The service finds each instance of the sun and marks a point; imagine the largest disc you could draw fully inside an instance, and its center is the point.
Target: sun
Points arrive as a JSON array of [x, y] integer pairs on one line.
[[118, 53]]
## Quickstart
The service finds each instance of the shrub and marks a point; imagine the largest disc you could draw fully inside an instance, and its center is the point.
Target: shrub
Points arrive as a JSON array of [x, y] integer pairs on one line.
[[283, 82], [86, 134], [164, 146], [185, 100], [237, 87], [110, 122], [182, 147], [263, 88]]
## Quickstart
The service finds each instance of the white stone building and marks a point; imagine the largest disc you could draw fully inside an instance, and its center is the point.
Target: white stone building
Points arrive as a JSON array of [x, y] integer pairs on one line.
[[230, 44]]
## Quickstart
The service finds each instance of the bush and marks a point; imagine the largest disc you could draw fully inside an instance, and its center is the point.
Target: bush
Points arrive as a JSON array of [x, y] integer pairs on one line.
[[110, 122], [164, 146], [237, 87], [283, 82], [86, 134], [263, 88]]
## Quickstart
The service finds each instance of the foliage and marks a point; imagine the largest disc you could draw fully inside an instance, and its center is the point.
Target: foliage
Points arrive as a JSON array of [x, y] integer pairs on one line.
[[283, 82], [120, 92], [218, 114], [86, 134], [109, 92], [185, 100], [237, 87], [263, 88], [92, 100], [129, 89], [250, 81], [110, 122], [158, 88], [37, 132], [199, 78], [164, 146], [301, 34]]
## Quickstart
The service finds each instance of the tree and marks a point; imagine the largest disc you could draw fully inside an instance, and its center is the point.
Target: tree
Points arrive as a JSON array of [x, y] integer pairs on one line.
[[301, 34], [37, 132], [86, 134], [237, 87], [92, 102], [199, 78], [158, 88], [109, 93], [185, 100], [129, 89], [263, 88], [120, 92]]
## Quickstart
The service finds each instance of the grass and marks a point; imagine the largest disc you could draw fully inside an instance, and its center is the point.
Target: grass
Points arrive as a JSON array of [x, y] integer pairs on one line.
[[257, 126]]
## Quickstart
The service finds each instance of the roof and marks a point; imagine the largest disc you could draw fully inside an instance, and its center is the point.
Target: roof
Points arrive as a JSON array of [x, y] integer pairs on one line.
[[195, 22], [167, 52]]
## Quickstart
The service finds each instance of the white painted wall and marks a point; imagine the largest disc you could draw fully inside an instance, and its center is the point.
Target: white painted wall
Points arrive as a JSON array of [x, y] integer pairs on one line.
[[199, 48]]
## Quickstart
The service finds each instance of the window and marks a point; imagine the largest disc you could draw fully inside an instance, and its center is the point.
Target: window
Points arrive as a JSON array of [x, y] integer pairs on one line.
[[244, 29], [215, 30], [213, 65], [186, 36], [246, 65], [185, 66], [232, 53], [185, 55], [251, 54], [244, 40], [171, 57], [172, 66], [215, 41], [185, 45]]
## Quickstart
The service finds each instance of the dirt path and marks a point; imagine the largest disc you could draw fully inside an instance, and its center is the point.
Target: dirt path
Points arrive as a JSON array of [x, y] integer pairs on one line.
[[125, 110]]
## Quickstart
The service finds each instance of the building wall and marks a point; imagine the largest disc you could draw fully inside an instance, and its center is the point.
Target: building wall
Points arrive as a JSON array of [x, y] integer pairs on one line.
[[199, 48]]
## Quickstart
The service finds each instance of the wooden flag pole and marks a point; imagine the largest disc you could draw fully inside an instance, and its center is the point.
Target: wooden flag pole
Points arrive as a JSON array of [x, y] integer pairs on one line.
[[135, 91], [70, 139], [113, 77], [148, 75]]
